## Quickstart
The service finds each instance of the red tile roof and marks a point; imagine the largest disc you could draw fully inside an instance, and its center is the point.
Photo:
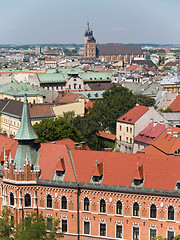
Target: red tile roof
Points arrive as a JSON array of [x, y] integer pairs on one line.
[[150, 133], [68, 142], [134, 114], [131, 68], [107, 135], [160, 172], [166, 143], [69, 98], [175, 105], [49, 159]]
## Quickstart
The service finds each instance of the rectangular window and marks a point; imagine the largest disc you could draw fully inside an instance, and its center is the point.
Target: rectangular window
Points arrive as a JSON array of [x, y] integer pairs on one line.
[[127, 139], [102, 229], [69, 86], [135, 233], [49, 222], [127, 129], [118, 231], [130, 130], [64, 225], [120, 127], [170, 235], [86, 227], [79, 86], [152, 233]]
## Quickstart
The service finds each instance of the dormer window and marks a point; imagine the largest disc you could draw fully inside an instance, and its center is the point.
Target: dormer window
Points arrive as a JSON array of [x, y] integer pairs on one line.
[[138, 177], [97, 175], [60, 170], [124, 118], [60, 173], [96, 178]]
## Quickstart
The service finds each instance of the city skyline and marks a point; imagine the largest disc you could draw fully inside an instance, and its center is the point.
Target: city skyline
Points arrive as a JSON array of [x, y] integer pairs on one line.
[[118, 21]]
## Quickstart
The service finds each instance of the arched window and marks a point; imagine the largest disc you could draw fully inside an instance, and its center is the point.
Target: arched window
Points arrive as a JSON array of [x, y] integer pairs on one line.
[[153, 211], [86, 204], [63, 202], [102, 206], [136, 209], [49, 201], [119, 207], [27, 200], [11, 199], [170, 213]]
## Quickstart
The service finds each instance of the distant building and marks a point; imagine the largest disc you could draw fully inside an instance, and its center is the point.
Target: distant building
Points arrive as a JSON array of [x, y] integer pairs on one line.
[[131, 124], [109, 52]]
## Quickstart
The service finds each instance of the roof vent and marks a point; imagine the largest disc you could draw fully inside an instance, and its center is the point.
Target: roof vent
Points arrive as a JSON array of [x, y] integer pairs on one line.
[[175, 134], [169, 131]]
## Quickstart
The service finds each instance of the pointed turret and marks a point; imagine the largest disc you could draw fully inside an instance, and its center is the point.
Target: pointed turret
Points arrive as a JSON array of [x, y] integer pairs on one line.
[[26, 135], [26, 131]]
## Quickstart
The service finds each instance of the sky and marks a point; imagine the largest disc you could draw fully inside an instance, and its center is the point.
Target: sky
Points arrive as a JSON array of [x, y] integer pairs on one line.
[[112, 21]]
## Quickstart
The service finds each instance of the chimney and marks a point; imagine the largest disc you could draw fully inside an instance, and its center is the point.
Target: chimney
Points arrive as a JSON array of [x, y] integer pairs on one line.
[[107, 149], [175, 134], [169, 131], [82, 145], [76, 145], [11, 136]]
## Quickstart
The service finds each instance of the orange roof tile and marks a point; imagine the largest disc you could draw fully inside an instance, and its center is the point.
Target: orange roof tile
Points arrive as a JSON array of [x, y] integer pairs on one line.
[[134, 114], [175, 105], [131, 68], [107, 135]]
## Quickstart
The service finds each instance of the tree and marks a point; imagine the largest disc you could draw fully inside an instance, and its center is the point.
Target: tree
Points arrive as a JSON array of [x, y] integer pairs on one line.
[[6, 224], [51, 130], [116, 102], [35, 227]]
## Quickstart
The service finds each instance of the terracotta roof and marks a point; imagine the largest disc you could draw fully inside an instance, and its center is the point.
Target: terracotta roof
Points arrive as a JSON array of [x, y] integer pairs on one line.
[[175, 105], [68, 142], [68, 98], [60, 165], [119, 169], [98, 170], [88, 105], [139, 173], [150, 133], [166, 143], [131, 68], [41, 109], [107, 135], [49, 159], [134, 114]]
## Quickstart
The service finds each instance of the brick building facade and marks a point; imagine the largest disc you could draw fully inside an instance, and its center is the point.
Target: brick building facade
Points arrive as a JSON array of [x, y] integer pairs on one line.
[[109, 52], [96, 195]]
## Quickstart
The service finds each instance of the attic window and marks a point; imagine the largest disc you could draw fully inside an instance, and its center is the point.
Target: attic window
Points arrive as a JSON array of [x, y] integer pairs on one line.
[[124, 118], [90, 78], [178, 186], [60, 173], [138, 182], [97, 178], [130, 119], [96, 94], [89, 95]]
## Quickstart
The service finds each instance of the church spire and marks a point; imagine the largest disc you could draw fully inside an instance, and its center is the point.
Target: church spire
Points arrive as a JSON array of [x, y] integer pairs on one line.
[[26, 131], [27, 148]]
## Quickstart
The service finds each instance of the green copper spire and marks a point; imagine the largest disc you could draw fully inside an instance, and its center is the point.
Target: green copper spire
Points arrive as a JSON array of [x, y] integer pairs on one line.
[[26, 131], [27, 149]]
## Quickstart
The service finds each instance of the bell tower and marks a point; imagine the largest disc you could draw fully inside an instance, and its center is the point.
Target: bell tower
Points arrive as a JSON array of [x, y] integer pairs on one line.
[[89, 43]]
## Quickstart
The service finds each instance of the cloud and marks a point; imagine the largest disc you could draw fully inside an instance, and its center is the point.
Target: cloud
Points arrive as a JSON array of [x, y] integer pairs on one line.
[[116, 29]]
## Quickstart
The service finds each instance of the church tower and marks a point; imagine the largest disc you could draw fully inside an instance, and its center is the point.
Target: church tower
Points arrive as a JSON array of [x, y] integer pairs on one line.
[[89, 43]]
